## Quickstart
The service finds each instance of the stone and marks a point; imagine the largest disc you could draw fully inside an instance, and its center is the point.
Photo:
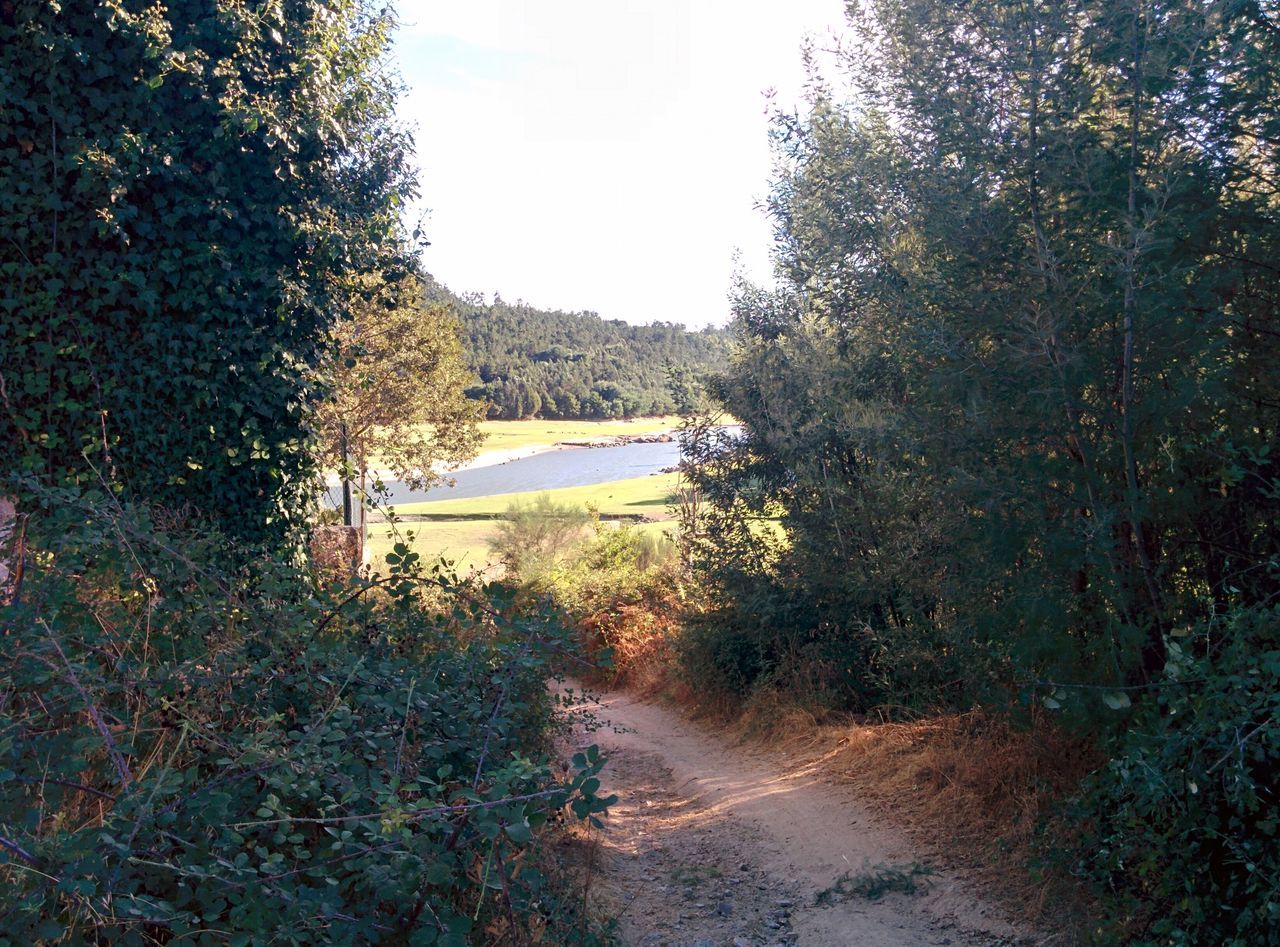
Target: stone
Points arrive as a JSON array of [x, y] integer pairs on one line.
[[336, 550]]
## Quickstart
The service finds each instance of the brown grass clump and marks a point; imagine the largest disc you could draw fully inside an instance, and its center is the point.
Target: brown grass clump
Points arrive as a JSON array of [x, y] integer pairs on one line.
[[639, 638], [975, 788], [768, 715]]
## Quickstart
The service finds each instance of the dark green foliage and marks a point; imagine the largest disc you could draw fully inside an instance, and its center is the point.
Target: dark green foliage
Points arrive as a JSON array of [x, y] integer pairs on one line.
[[1180, 828], [187, 753], [1014, 409], [1015, 401], [535, 363], [185, 191]]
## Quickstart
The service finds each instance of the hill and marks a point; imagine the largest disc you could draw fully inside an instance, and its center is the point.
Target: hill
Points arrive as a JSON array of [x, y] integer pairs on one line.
[[533, 362]]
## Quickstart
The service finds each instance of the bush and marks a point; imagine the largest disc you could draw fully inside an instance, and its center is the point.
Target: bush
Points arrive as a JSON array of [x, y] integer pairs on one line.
[[621, 592], [534, 536], [1179, 830], [189, 752]]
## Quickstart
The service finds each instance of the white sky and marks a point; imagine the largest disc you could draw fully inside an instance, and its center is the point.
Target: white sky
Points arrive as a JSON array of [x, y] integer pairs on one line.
[[601, 154]]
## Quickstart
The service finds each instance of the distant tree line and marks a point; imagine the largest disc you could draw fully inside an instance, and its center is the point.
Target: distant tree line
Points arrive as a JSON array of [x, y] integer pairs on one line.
[[533, 362]]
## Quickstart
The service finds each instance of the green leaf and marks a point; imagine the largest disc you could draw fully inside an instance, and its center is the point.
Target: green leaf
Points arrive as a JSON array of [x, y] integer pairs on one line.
[[1116, 700]]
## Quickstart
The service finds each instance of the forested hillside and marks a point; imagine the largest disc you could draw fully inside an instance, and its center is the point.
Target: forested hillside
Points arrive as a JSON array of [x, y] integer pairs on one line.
[[552, 364]]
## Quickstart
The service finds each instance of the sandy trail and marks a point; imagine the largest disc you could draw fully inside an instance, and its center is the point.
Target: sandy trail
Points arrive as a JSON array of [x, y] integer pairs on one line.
[[715, 844]]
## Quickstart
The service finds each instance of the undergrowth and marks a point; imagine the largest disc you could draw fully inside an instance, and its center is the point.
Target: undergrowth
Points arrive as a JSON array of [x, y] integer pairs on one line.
[[203, 744]]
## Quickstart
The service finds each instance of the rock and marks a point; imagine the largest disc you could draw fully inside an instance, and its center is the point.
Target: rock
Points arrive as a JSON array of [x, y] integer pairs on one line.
[[724, 908], [741, 942]]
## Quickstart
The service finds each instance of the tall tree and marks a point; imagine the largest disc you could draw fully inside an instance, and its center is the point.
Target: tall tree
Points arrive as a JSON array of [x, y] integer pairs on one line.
[[187, 190], [1021, 373]]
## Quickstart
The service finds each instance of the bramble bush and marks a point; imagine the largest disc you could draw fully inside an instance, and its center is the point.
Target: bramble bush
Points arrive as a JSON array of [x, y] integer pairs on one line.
[[1180, 828], [243, 754]]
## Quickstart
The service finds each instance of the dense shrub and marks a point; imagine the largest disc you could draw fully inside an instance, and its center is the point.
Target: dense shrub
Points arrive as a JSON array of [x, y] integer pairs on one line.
[[190, 752], [533, 536], [1180, 828], [188, 191], [618, 587]]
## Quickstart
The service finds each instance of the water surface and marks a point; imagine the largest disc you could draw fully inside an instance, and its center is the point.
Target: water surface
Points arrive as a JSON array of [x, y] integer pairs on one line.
[[570, 467]]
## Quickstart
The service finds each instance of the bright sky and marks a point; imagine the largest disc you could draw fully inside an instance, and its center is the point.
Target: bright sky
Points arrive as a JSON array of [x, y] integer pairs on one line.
[[605, 155]]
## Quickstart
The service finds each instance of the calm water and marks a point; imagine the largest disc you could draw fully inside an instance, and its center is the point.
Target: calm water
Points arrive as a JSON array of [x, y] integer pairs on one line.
[[572, 467]]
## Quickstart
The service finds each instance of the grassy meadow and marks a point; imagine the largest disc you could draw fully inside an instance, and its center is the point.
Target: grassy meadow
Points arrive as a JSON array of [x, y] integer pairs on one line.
[[514, 435], [459, 530]]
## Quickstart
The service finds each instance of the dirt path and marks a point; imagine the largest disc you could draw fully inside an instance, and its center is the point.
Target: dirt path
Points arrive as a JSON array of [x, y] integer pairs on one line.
[[716, 844]]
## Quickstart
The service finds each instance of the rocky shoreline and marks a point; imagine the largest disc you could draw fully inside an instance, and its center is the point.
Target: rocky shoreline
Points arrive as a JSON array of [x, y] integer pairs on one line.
[[621, 440]]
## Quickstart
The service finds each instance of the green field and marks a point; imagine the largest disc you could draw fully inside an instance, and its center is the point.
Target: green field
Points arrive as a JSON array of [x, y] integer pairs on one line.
[[459, 530], [638, 496], [509, 435]]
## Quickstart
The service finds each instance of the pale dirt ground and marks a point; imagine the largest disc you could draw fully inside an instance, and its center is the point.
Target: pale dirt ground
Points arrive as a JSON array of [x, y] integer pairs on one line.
[[714, 843]]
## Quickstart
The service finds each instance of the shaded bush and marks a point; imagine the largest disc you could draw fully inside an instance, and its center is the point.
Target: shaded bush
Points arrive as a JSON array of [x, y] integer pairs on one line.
[[189, 752], [1180, 828]]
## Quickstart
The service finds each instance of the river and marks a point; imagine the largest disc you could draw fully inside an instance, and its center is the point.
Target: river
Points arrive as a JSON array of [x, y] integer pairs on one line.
[[569, 467]]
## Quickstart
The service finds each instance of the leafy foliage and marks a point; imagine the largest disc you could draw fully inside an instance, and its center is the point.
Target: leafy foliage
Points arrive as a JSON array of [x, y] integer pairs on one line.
[[535, 363], [1014, 403], [1013, 407], [191, 753], [398, 387], [1180, 828], [187, 191]]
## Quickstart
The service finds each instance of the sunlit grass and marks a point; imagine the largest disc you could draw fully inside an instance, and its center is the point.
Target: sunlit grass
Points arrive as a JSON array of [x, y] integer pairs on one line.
[[459, 530], [509, 435], [636, 496], [465, 543]]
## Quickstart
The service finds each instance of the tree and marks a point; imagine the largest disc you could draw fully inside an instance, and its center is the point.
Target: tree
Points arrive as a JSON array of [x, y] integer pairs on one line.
[[1020, 375], [398, 388], [186, 193], [534, 535]]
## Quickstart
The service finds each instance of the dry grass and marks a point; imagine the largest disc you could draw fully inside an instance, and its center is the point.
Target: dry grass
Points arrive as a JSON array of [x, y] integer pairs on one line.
[[640, 640], [972, 789], [987, 778]]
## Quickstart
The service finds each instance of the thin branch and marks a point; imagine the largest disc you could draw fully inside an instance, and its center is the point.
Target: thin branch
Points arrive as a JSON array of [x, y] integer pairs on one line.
[[1239, 745], [66, 783], [117, 759], [18, 850]]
